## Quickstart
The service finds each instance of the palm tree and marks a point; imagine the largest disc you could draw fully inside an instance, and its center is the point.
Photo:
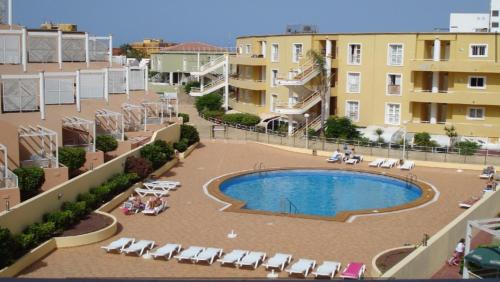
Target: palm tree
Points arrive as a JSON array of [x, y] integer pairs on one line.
[[319, 61]]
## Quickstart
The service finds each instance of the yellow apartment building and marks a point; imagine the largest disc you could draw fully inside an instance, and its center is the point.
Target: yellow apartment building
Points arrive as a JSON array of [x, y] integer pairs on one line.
[[424, 81]]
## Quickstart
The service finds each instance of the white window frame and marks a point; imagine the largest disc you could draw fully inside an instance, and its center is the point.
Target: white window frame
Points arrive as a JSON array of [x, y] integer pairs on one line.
[[273, 80], [359, 109], [240, 50], [347, 88], [475, 108], [272, 102], [386, 114], [400, 84], [277, 59], [349, 54], [248, 49], [476, 76], [389, 62], [295, 58], [478, 56]]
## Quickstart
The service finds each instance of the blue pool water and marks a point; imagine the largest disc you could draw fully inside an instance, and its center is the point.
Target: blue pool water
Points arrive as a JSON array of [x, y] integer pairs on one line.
[[318, 192]]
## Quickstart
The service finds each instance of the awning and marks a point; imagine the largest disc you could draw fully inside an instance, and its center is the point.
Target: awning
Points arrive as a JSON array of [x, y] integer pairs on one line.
[[485, 257]]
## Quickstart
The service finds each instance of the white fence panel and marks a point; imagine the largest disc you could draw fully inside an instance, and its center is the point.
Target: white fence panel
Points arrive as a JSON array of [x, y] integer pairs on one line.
[[10, 49], [98, 49], [59, 91], [4, 11], [92, 86], [20, 95], [73, 49], [137, 79], [117, 81], [42, 49]]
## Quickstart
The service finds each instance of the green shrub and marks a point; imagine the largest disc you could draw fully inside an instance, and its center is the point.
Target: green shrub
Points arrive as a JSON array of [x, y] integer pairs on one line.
[[468, 148], [189, 85], [89, 199], [182, 145], [217, 114], [190, 133], [424, 139], [101, 193], [185, 117], [31, 180], [157, 153], [25, 241], [61, 219], [312, 132], [72, 157], [8, 247], [211, 102], [241, 118], [106, 143], [41, 232], [341, 127], [138, 165], [79, 209]]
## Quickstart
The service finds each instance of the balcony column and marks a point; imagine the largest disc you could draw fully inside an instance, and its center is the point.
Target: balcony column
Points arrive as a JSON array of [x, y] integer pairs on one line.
[[59, 49], [226, 82], [328, 67], [437, 50], [290, 125], [198, 65], [433, 113], [202, 83], [171, 78], [435, 82]]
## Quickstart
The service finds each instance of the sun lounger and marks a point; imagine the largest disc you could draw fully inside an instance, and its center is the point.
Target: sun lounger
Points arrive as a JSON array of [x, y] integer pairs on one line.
[[407, 165], [335, 158], [469, 202], [303, 266], [353, 270], [252, 259], [327, 268], [150, 192], [189, 253], [232, 257], [164, 182], [279, 260], [352, 161], [119, 244], [488, 172], [208, 255], [156, 210], [377, 162], [161, 187], [139, 247], [389, 163], [166, 251]]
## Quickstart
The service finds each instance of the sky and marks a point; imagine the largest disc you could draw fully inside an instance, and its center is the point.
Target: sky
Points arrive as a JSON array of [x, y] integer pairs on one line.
[[219, 22]]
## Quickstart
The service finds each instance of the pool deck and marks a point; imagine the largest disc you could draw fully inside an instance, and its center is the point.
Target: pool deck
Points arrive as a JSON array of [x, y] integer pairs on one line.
[[194, 219]]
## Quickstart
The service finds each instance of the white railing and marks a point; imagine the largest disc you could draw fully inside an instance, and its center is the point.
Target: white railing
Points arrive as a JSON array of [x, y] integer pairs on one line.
[[207, 87], [212, 63], [246, 79], [303, 71], [299, 104], [302, 126]]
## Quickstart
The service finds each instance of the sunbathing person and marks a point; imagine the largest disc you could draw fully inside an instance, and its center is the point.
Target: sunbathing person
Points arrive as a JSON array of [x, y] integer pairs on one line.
[[336, 156]]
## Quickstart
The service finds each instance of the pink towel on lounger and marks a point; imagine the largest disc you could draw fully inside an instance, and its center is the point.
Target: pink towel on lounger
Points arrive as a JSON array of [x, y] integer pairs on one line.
[[353, 270]]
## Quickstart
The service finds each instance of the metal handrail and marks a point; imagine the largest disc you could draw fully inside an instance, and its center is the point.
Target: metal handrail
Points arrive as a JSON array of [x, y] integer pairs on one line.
[[299, 104], [212, 63], [302, 126], [208, 86]]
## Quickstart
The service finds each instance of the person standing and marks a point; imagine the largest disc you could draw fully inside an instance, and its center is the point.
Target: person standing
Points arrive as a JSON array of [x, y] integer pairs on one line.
[[458, 254]]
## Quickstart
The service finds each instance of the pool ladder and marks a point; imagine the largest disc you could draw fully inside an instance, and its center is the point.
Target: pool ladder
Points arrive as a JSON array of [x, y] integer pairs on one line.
[[410, 177], [288, 207], [258, 166]]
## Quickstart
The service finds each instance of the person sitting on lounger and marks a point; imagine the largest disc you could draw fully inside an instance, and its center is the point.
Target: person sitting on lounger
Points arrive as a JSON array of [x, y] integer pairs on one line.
[[348, 154], [491, 185], [336, 156], [153, 202], [137, 203]]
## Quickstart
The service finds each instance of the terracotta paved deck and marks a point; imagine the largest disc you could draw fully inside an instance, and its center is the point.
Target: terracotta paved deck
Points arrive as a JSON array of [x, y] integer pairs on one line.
[[195, 219]]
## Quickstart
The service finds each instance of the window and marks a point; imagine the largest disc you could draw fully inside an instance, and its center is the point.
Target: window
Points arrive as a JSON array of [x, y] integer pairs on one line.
[[394, 84], [395, 55], [392, 114], [240, 49], [274, 75], [478, 50], [248, 49], [352, 110], [494, 13], [296, 52], [353, 82], [354, 54], [275, 55], [475, 113], [477, 82], [494, 24]]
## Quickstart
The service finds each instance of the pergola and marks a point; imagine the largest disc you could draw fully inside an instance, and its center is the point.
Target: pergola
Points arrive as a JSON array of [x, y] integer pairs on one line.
[[490, 226], [172, 103], [111, 122], [133, 116], [7, 178], [42, 158], [79, 124], [154, 112]]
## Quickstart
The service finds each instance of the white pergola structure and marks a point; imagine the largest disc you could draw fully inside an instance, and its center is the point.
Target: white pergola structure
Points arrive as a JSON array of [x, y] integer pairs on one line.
[[154, 112], [133, 116], [112, 122], [78, 124], [490, 226], [7, 178], [42, 158], [171, 102]]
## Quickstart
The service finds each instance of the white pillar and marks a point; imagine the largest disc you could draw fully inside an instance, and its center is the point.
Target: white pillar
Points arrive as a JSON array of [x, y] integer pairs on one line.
[[198, 66], [42, 94], [146, 79], [24, 55], [57, 150], [127, 81], [87, 51], [290, 125], [10, 12], [437, 50], [110, 58], [171, 78], [468, 239], [93, 136], [264, 47], [59, 48], [433, 113], [328, 66], [435, 82], [106, 85], [77, 91], [226, 82], [202, 83]]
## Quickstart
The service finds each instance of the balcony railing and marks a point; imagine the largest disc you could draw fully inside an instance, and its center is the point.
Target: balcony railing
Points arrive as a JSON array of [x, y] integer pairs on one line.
[[394, 89], [298, 104]]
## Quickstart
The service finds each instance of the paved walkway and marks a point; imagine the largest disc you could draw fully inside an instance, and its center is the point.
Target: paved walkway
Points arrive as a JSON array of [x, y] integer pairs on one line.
[[194, 219]]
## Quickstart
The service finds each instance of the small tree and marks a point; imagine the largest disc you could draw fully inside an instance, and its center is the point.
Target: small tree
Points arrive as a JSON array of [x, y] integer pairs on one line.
[[211, 102], [190, 133], [139, 166], [157, 153], [31, 180], [424, 139], [73, 158], [341, 127], [467, 147], [106, 143], [185, 117], [451, 132], [379, 132], [320, 62]]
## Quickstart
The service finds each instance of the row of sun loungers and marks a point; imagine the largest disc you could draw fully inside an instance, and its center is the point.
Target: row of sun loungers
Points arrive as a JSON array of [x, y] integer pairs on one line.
[[239, 258], [157, 188], [390, 163]]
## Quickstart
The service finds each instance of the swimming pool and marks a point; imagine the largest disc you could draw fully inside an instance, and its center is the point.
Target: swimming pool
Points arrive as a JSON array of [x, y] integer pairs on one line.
[[324, 193]]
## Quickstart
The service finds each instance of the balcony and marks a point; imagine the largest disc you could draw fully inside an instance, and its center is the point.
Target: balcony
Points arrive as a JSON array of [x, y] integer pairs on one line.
[[247, 59], [245, 83], [394, 89], [478, 65], [246, 107], [455, 97]]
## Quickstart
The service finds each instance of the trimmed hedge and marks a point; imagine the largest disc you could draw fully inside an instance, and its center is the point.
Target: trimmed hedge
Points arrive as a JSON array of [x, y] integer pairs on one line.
[[213, 114], [139, 166], [72, 157], [182, 145], [211, 102], [190, 133], [106, 143], [241, 118], [158, 153], [31, 180], [185, 117]]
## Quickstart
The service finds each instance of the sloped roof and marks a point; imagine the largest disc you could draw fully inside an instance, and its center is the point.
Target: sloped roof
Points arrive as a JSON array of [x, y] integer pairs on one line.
[[194, 46]]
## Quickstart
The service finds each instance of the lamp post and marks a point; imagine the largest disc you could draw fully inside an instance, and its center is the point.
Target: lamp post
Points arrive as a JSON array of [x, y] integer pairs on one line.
[[307, 130], [404, 139]]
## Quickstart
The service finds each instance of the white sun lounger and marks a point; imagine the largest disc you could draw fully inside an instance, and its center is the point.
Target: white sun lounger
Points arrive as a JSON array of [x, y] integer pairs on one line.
[[252, 259], [156, 210], [150, 192], [377, 162], [279, 260], [303, 266], [487, 175], [389, 163], [327, 268], [164, 182], [118, 245], [166, 251], [139, 247], [161, 187], [352, 161], [208, 255], [232, 257], [189, 253], [407, 165]]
